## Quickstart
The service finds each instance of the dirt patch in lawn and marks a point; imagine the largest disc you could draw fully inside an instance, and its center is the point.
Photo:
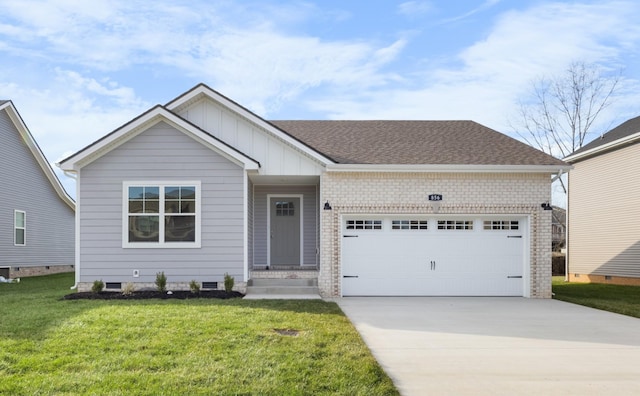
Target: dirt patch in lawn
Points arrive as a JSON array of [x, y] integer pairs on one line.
[[147, 294]]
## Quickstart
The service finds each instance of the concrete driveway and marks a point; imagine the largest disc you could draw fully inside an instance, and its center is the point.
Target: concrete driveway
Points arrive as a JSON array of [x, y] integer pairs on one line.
[[498, 346]]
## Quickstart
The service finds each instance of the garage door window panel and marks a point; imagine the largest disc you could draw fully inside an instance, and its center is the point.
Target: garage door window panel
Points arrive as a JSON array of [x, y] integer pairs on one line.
[[511, 225], [409, 225], [364, 224], [455, 224]]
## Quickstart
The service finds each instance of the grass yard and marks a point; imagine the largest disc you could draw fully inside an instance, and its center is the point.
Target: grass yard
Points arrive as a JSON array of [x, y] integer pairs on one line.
[[177, 347], [620, 299]]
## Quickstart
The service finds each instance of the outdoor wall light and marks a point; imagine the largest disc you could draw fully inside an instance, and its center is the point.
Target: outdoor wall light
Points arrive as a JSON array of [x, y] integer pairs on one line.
[[546, 206], [327, 206]]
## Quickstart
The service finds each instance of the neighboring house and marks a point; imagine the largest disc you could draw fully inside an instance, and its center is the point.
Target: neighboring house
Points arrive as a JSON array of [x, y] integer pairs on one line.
[[558, 228], [604, 208], [37, 223], [201, 187]]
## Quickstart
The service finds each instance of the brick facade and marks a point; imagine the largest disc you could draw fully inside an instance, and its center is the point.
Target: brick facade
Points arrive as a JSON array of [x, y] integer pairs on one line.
[[19, 271], [463, 193]]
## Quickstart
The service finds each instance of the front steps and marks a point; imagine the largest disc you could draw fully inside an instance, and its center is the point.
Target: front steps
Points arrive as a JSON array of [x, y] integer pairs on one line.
[[300, 289]]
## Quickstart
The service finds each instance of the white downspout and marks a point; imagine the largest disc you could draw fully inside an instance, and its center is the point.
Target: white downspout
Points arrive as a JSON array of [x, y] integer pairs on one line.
[[74, 176]]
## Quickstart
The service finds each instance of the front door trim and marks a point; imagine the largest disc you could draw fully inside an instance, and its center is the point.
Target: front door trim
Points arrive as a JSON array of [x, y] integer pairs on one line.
[[301, 211]]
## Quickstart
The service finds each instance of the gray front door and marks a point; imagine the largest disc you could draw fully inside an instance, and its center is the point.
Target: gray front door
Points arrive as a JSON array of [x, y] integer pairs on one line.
[[285, 230]]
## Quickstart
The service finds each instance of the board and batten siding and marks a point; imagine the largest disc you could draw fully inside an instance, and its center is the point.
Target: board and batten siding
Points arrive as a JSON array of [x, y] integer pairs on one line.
[[310, 221], [275, 156], [161, 153], [50, 224], [604, 214]]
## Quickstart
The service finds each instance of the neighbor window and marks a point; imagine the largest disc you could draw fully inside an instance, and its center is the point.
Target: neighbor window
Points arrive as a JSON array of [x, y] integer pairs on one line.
[[20, 228], [162, 214]]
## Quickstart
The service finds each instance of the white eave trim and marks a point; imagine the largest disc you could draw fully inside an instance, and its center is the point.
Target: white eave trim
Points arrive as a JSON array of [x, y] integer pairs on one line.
[[217, 97], [37, 153], [448, 168], [596, 150], [142, 123]]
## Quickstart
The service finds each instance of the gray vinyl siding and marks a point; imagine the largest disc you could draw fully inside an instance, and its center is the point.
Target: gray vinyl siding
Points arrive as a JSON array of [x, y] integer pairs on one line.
[[310, 221], [604, 214], [161, 154], [50, 221]]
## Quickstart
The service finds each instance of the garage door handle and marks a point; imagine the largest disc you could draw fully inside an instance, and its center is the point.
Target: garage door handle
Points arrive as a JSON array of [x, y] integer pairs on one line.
[[514, 236], [349, 276], [349, 236], [514, 277]]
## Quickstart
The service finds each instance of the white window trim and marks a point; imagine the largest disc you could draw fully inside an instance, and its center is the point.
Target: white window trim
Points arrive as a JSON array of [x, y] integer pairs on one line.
[[15, 227], [160, 244]]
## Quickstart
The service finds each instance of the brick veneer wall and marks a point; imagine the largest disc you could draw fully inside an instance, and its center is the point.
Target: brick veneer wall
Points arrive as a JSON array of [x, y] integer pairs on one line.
[[20, 271], [463, 193]]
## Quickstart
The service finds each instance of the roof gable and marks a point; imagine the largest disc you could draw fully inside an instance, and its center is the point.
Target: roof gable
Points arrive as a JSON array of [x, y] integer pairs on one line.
[[416, 143], [201, 91], [142, 123], [21, 127], [626, 133]]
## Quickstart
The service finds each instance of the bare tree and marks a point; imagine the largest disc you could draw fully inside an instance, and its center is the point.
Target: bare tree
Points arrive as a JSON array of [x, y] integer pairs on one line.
[[562, 109]]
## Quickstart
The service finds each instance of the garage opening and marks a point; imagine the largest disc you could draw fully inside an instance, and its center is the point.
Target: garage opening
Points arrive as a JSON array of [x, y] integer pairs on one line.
[[393, 255]]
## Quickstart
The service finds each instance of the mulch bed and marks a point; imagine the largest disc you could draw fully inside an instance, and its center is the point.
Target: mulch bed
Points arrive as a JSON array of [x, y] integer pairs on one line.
[[147, 294]]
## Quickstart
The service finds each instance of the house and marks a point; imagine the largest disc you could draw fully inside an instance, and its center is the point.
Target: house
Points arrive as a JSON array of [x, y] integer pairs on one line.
[[37, 226], [604, 208], [558, 228], [202, 186]]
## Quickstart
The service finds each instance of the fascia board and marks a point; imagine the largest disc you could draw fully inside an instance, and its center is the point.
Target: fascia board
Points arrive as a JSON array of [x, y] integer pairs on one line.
[[437, 168], [224, 101], [37, 153], [142, 123], [605, 147]]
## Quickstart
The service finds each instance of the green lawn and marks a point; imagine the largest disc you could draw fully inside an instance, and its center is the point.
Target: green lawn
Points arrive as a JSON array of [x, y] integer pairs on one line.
[[49, 346], [620, 299]]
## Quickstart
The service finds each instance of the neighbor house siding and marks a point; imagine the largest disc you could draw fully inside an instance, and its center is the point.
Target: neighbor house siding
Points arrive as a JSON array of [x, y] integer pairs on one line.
[[604, 216], [465, 193], [161, 154], [310, 221], [275, 156], [49, 221]]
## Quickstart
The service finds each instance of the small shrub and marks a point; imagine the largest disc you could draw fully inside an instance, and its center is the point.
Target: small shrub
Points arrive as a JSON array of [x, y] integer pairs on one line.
[[128, 289], [161, 281], [228, 282], [194, 286], [98, 286]]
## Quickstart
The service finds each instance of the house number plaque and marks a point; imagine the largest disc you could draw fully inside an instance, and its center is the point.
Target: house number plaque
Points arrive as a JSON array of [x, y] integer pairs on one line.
[[435, 197]]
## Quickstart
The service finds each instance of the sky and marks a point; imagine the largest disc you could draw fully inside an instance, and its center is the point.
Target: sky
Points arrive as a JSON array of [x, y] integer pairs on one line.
[[77, 69]]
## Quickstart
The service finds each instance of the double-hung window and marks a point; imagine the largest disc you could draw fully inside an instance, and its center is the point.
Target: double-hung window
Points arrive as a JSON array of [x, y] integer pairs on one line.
[[19, 228], [161, 214]]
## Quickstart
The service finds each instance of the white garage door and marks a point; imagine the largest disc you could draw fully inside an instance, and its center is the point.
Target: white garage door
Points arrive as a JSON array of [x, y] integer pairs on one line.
[[415, 256]]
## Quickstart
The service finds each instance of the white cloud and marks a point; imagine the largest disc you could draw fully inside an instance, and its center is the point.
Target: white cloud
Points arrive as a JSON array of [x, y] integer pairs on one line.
[[414, 8], [494, 72], [487, 4]]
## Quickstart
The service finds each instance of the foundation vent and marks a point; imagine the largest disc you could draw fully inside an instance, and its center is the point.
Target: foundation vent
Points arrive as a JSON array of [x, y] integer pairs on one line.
[[210, 285], [113, 285]]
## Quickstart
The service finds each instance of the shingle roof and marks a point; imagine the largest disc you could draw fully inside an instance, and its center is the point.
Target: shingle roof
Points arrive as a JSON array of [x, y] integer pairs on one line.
[[414, 142], [625, 129]]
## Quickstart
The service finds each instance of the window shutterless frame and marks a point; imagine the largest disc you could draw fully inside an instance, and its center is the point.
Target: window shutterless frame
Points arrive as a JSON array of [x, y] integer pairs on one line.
[[19, 228], [161, 214]]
